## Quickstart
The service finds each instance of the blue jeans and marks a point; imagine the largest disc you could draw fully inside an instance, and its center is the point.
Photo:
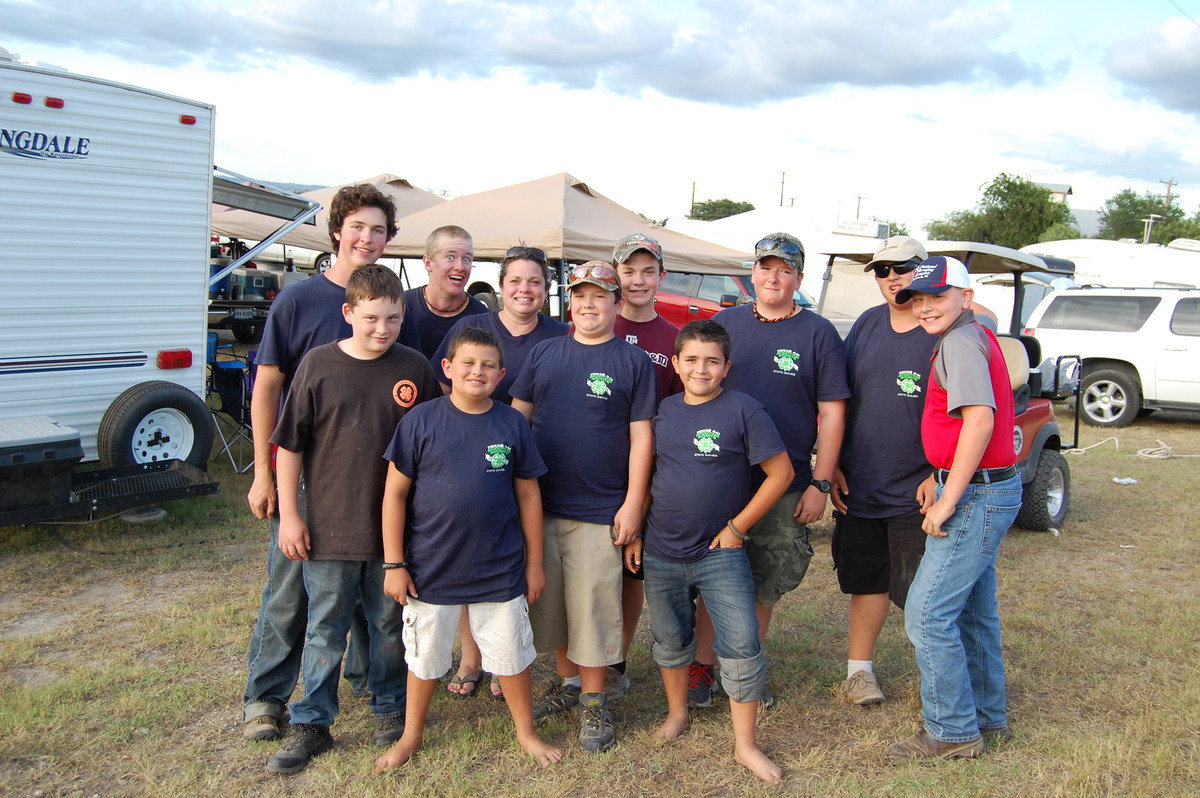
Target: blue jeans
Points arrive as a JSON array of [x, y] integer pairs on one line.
[[357, 665], [273, 665], [334, 587], [952, 619], [722, 577]]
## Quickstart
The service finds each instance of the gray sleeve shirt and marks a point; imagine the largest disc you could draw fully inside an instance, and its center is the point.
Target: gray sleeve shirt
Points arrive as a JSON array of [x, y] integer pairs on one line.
[[961, 365]]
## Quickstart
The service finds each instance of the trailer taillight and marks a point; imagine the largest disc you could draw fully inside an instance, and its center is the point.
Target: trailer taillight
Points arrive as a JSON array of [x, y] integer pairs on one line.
[[175, 359], [54, 102], [22, 98], [187, 119]]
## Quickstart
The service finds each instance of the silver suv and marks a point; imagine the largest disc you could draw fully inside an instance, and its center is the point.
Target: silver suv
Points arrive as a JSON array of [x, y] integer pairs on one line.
[[1140, 348]]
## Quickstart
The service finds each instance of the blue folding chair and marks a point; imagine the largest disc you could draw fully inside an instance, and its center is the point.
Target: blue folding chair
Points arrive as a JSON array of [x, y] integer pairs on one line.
[[230, 385]]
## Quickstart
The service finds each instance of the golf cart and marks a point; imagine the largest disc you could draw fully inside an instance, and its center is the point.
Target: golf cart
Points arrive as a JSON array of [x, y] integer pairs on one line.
[[1037, 439]]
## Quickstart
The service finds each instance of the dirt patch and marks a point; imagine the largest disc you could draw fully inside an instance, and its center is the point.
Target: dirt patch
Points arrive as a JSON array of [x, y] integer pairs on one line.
[[32, 675], [37, 624]]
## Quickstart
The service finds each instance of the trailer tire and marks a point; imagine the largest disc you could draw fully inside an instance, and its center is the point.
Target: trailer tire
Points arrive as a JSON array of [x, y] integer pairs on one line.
[[155, 421], [1044, 500], [247, 332], [489, 300]]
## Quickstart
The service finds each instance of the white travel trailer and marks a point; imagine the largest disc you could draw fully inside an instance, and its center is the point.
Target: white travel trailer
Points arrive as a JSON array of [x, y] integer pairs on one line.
[[1127, 264], [105, 195]]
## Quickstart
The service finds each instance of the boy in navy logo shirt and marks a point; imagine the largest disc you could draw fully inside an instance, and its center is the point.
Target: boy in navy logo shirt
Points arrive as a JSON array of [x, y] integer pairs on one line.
[[590, 397], [708, 442], [469, 465]]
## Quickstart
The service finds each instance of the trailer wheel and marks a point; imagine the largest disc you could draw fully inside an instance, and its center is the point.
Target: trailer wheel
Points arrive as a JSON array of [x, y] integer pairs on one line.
[[247, 332], [155, 421], [1045, 498]]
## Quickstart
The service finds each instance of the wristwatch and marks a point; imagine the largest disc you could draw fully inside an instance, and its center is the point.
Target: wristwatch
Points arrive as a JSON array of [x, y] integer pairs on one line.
[[820, 484]]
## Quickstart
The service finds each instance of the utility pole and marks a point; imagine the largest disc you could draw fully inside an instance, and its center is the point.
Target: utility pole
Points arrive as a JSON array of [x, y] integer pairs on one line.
[[858, 206], [1169, 184], [692, 212], [1148, 224], [782, 178]]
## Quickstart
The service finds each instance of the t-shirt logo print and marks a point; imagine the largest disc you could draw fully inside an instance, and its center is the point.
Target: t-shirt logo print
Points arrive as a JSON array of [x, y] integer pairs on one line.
[[598, 383], [909, 382], [706, 442], [785, 361], [497, 455]]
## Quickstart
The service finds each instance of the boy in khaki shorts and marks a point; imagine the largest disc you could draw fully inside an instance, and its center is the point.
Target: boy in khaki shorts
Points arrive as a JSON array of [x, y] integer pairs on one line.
[[590, 397]]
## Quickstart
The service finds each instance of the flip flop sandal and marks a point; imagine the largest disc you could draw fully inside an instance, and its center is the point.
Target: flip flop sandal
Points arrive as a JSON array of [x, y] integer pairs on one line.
[[495, 683], [468, 678]]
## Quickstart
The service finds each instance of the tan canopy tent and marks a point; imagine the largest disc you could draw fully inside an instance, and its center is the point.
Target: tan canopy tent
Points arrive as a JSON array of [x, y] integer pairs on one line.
[[255, 227], [561, 216]]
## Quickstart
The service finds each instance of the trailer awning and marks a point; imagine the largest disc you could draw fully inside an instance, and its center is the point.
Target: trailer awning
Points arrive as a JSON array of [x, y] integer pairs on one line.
[[251, 196]]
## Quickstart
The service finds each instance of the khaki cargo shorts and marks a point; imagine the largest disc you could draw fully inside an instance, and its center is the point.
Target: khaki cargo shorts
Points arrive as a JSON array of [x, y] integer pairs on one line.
[[779, 551]]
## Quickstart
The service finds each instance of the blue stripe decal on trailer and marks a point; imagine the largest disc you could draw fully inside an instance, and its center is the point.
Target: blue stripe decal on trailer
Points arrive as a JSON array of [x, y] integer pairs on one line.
[[93, 360]]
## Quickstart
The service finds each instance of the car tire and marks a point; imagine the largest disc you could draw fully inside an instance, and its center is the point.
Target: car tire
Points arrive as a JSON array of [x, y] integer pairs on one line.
[[489, 300], [1110, 397], [321, 264], [1044, 500], [155, 421], [247, 332]]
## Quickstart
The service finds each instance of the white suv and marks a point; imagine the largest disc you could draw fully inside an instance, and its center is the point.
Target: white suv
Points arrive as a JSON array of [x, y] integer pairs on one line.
[[1140, 347]]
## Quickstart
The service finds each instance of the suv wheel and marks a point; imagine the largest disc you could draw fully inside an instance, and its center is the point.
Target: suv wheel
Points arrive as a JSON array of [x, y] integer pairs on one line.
[[1111, 398], [1044, 500]]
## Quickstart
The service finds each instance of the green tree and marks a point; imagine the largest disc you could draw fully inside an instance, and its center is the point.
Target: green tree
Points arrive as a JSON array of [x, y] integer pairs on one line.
[[896, 228], [1012, 212], [711, 210], [1059, 231], [1122, 215]]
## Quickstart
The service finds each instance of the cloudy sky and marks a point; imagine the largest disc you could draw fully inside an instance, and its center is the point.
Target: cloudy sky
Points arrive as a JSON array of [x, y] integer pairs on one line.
[[911, 105]]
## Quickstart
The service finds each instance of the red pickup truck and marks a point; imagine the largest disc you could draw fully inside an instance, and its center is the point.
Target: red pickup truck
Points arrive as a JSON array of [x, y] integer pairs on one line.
[[687, 296]]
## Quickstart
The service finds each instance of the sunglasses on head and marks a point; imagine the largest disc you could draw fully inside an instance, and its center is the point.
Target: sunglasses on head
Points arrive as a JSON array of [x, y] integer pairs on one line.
[[526, 253], [784, 245], [601, 272], [884, 269]]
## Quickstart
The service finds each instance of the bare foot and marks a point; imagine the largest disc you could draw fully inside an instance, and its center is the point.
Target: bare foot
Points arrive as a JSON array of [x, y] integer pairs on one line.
[[538, 748], [758, 763], [672, 727], [397, 755]]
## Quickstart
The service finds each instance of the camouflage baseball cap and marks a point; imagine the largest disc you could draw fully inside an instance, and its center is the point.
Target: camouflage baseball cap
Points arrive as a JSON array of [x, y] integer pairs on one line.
[[630, 244], [784, 246], [596, 272]]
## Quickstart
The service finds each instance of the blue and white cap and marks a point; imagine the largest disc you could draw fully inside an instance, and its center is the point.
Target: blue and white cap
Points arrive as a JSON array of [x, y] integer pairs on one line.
[[935, 275]]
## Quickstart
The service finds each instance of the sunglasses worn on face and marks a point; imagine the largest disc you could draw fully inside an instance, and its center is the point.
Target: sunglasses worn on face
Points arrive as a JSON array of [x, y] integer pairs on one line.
[[526, 253], [884, 269], [782, 244]]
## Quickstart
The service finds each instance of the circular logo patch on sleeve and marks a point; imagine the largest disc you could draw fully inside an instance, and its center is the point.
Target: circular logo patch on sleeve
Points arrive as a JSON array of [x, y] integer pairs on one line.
[[405, 393]]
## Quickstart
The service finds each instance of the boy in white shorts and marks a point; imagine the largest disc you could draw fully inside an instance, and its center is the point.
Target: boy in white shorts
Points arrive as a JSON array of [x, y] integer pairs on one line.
[[469, 465]]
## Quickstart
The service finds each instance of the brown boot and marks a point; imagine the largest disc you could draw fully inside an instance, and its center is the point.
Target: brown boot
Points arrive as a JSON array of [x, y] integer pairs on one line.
[[924, 745]]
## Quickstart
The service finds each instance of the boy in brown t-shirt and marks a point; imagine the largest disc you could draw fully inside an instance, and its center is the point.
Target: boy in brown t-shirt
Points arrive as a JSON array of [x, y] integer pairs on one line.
[[341, 411]]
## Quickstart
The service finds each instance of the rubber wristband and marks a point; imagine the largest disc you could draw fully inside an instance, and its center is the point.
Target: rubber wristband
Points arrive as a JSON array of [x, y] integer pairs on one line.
[[391, 566], [734, 530]]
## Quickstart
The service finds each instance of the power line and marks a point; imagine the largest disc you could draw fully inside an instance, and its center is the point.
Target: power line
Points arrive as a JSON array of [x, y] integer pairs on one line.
[[1186, 15]]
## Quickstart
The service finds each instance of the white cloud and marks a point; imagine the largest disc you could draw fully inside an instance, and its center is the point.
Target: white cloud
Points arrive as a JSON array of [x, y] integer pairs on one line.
[[1163, 64]]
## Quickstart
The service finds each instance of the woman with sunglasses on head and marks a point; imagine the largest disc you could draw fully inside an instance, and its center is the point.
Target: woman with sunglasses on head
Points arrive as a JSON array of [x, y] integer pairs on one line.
[[519, 325], [877, 539]]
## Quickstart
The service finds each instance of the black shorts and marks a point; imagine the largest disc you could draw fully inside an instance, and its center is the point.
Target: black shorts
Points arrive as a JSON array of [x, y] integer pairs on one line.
[[877, 555]]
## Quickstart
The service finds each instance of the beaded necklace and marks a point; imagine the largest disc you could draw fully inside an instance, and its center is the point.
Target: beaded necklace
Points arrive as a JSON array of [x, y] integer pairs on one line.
[[765, 320]]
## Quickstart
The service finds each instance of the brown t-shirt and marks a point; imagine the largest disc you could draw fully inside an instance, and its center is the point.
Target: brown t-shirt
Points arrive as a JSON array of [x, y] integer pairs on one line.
[[341, 412]]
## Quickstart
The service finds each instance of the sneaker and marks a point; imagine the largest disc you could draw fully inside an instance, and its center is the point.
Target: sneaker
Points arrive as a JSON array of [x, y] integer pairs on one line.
[[596, 732], [388, 730], [306, 742], [997, 736], [558, 698], [264, 727], [924, 745], [700, 685], [862, 689], [616, 684]]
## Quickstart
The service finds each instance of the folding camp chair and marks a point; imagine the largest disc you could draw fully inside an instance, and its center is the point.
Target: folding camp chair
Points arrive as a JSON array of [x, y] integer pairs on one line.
[[230, 385]]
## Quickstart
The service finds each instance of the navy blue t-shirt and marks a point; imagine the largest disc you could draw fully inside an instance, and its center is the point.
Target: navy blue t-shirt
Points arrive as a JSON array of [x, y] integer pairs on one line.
[[423, 329], [516, 348], [304, 316], [789, 366], [584, 397], [465, 543], [706, 457]]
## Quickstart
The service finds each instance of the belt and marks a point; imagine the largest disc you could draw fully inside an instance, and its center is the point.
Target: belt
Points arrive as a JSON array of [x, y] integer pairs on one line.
[[984, 476]]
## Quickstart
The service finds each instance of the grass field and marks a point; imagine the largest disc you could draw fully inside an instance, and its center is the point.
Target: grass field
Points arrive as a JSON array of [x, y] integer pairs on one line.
[[121, 674]]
